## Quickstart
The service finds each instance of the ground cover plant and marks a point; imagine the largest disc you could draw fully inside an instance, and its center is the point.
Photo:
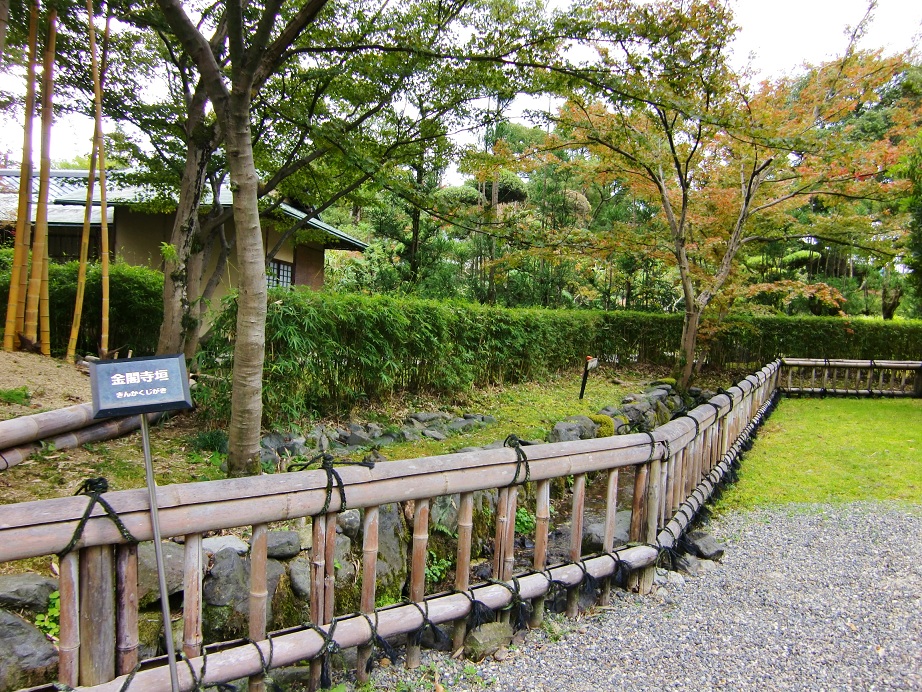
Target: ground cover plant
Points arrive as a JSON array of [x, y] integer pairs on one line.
[[833, 450]]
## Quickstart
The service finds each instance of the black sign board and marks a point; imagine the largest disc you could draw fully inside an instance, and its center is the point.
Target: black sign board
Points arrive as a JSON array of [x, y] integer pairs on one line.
[[139, 385]]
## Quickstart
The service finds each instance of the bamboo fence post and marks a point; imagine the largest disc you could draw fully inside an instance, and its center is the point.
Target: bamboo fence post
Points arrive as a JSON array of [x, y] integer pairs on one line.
[[97, 616], [611, 517], [645, 582], [318, 575], [542, 526], [917, 384], [192, 596], [509, 542], [418, 569], [258, 594], [638, 514], [126, 616], [502, 505], [369, 576], [576, 538], [69, 643], [463, 560], [329, 591]]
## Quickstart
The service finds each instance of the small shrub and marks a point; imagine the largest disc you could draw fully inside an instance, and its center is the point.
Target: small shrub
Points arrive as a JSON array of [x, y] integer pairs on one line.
[[210, 440], [49, 622], [525, 521], [18, 395]]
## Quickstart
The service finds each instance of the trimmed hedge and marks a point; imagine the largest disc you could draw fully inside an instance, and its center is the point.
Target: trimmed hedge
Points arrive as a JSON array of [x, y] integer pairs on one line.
[[135, 306], [329, 351]]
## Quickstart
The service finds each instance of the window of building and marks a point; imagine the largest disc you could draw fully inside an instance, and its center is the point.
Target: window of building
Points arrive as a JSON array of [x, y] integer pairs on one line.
[[280, 273]]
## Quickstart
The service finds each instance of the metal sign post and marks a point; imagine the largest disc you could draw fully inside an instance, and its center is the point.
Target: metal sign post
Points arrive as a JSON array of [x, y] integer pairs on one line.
[[142, 386], [591, 364]]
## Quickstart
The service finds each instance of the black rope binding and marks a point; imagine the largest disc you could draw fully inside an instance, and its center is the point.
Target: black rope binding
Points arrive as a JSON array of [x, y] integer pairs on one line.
[[378, 643], [622, 569], [416, 636], [652, 446], [265, 664], [94, 488], [329, 647], [520, 458], [588, 585], [325, 461], [555, 587], [480, 612], [520, 609]]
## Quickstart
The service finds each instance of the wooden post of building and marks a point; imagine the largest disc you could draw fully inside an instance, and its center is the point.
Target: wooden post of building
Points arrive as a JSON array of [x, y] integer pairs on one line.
[[97, 615], [369, 576], [126, 616]]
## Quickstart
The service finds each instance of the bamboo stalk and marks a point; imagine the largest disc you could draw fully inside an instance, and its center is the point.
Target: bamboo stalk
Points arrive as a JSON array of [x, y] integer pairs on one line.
[[69, 643], [576, 537], [369, 573], [463, 560], [645, 582], [97, 616], [638, 514], [611, 516], [329, 591], [509, 542], [542, 526], [318, 575], [258, 594], [33, 297], [418, 569], [192, 596], [127, 641], [499, 540], [16, 300]]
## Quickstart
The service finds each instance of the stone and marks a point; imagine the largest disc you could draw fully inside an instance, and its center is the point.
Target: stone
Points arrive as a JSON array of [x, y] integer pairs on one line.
[[436, 638], [610, 411], [486, 640], [268, 457], [663, 414], [27, 658], [688, 564], [345, 566], [215, 544], [299, 574], [273, 440], [350, 522], [434, 435], [393, 540], [148, 582], [429, 416], [283, 545], [703, 545], [565, 432], [594, 532], [226, 593], [656, 394], [358, 439], [374, 430], [296, 447], [30, 591], [227, 583], [588, 427], [463, 424]]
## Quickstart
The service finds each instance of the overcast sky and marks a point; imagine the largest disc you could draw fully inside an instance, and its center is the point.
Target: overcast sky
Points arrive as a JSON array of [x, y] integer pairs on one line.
[[780, 35]]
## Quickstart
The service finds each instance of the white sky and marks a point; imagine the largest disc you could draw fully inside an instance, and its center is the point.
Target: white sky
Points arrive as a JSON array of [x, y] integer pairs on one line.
[[780, 35]]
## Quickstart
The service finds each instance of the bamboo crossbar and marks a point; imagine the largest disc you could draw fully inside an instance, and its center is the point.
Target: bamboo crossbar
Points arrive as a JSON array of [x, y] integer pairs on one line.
[[674, 467], [880, 378]]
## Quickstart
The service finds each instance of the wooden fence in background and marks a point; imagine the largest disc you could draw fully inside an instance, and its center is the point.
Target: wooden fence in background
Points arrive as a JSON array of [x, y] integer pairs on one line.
[[814, 376], [675, 469]]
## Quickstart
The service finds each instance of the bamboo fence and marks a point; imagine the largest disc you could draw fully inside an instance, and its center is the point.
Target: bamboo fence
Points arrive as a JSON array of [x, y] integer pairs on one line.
[[676, 467], [889, 378]]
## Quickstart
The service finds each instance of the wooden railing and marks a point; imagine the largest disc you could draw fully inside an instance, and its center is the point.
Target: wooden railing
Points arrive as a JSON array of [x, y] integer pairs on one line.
[[813, 376], [675, 469]]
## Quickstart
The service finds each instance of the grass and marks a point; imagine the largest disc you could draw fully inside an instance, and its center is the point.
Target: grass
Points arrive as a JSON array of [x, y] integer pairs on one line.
[[833, 451], [18, 395]]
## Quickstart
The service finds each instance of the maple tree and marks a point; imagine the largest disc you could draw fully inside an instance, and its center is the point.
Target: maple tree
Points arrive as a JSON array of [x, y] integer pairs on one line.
[[725, 164]]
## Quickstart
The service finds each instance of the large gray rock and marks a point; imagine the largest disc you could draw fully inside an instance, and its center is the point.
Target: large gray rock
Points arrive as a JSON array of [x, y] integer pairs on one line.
[[704, 545], [594, 532], [429, 416], [343, 561], [299, 574], [487, 639], [443, 512], [461, 425], [215, 544], [349, 522], [436, 435], [565, 432], [588, 427], [359, 439], [227, 582], [283, 545], [29, 591], [226, 592], [148, 583], [393, 539], [27, 658]]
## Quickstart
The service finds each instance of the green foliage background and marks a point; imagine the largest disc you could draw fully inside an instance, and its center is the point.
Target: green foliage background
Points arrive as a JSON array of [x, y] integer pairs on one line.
[[328, 352], [135, 305]]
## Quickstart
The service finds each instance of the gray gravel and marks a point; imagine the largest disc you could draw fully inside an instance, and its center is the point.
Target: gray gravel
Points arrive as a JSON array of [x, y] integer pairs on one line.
[[806, 598]]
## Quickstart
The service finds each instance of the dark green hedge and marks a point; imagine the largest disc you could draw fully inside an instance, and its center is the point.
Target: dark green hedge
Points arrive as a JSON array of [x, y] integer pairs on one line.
[[135, 306], [328, 351]]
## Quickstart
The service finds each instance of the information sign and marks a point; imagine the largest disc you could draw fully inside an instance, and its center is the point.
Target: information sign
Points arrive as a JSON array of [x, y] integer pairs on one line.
[[139, 385]]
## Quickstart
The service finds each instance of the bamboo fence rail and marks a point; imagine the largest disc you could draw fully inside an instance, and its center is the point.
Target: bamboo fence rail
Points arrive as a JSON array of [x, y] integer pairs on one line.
[[675, 468], [890, 378]]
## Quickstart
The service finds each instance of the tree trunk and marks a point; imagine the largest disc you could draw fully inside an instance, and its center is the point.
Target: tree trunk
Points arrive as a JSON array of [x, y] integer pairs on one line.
[[249, 348], [15, 308], [689, 340]]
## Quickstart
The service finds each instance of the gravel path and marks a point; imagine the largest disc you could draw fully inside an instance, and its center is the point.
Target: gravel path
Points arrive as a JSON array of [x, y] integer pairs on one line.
[[806, 598]]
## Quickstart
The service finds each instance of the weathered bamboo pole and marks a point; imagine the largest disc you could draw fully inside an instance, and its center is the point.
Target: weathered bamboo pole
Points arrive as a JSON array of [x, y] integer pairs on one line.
[[97, 616], [259, 594], [294, 646], [69, 643], [192, 599], [499, 536], [329, 591], [418, 569], [127, 640], [646, 574], [16, 299], [509, 543], [463, 559], [25, 429], [542, 527], [370, 525], [611, 515], [638, 513], [318, 581], [576, 537]]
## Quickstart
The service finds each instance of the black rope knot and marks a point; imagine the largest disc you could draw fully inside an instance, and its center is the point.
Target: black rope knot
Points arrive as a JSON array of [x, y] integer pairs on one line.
[[325, 462], [520, 458], [521, 610], [329, 647], [480, 613], [94, 488], [378, 643], [416, 636]]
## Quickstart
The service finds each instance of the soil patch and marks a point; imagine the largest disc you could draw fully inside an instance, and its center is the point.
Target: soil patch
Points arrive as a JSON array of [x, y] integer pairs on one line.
[[51, 383]]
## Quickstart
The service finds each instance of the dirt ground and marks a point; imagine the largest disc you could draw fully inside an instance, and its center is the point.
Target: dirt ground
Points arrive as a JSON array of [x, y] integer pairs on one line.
[[52, 383]]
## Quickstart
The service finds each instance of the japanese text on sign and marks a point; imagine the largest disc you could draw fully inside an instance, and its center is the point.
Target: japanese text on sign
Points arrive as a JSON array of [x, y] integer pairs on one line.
[[137, 377]]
